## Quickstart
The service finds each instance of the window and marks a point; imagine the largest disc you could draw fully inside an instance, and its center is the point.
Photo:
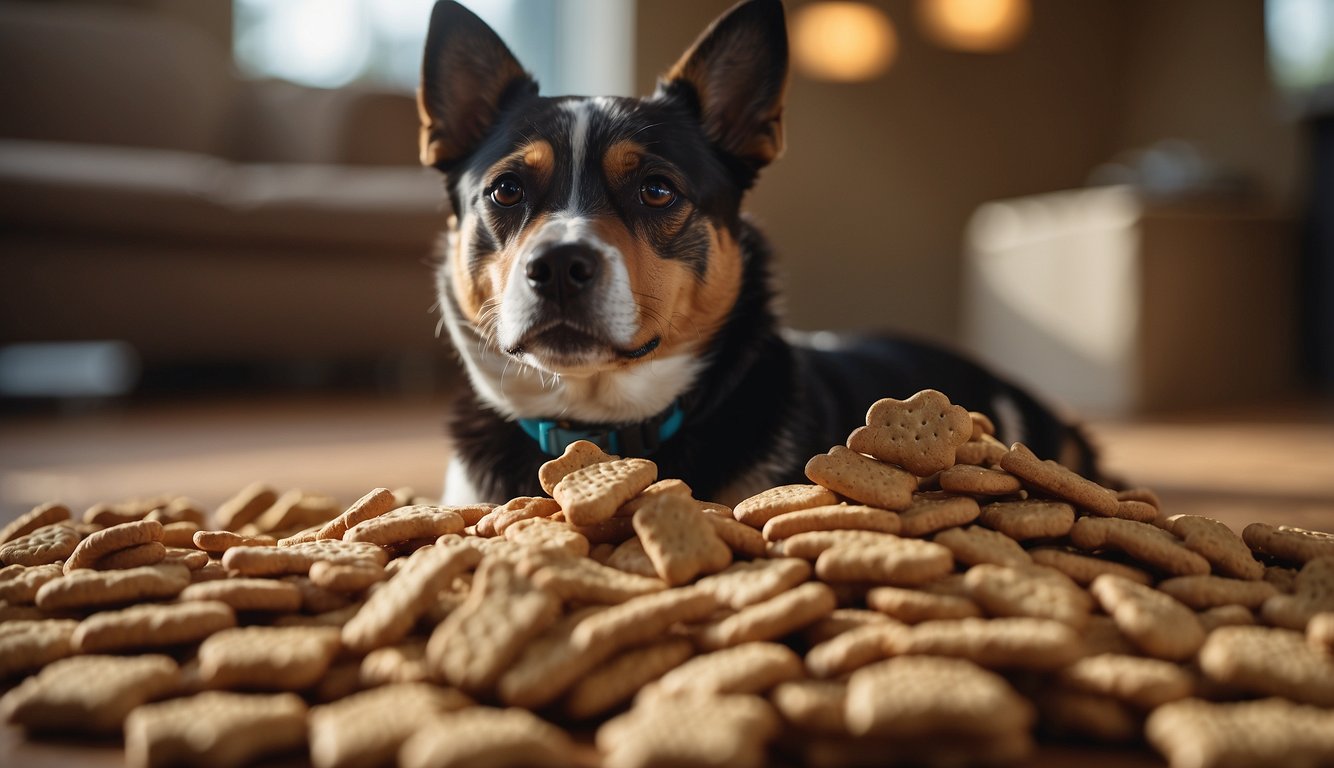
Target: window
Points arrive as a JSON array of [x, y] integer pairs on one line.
[[332, 43], [1301, 43]]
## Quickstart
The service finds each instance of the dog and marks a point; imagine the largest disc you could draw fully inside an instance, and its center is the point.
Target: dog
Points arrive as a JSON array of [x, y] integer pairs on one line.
[[599, 281]]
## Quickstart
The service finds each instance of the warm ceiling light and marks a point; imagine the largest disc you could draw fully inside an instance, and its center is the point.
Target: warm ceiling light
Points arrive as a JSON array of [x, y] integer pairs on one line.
[[842, 41], [978, 26]]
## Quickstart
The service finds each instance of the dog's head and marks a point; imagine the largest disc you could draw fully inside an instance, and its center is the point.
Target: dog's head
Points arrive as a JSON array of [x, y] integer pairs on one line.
[[593, 250]]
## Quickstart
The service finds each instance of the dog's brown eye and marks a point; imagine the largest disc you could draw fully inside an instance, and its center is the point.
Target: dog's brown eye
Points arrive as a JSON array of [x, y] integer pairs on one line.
[[657, 192], [507, 192]]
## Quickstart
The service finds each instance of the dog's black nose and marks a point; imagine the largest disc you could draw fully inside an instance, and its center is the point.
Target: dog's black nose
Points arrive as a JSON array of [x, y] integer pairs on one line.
[[562, 271]]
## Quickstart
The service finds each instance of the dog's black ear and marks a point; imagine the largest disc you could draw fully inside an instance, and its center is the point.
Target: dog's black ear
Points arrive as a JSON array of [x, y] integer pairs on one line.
[[467, 76], [737, 70]]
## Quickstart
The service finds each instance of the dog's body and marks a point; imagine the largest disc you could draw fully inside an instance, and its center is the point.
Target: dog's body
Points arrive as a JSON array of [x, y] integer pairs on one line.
[[600, 282]]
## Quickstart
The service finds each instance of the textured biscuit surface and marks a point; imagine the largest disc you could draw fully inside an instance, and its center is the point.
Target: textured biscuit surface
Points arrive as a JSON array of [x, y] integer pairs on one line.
[[828, 518], [48, 544], [26, 645], [922, 696], [1248, 734], [1296, 545], [1029, 518], [1269, 662], [89, 693], [267, 658], [593, 493], [864, 479], [721, 731], [896, 562], [368, 728], [1055, 480], [975, 545], [766, 505], [215, 729], [770, 619], [679, 541], [1156, 623], [1031, 590], [1217, 544], [483, 736], [151, 626], [577, 455], [1151, 546], [38, 517], [919, 434]]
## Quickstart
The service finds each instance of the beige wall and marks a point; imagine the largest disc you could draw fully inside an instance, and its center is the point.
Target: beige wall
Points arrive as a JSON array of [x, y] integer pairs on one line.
[[867, 209]]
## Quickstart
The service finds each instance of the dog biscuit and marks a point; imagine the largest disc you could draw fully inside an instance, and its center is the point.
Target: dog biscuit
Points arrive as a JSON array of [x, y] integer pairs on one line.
[[20, 588], [85, 588], [1144, 683], [741, 538], [679, 541], [754, 667], [669, 487], [267, 658], [367, 728], [1225, 616], [979, 481], [702, 731], [1087, 716], [577, 455], [132, 557], [595, 492], [862, 478], [151, 626], [925, 697], [984, 451], [1028, 590], [389, 613], [894, 561], [245, 594], [641, 619], [808, 546], [1295, 545], [497, 520], [927, 515], [1320, 632], [1028, 518], [912, 606], [297, 558], [829, 518], [613, 531], [1268, 662], [27, 645], [1246, 734], [245, 506], [851, 650], [1083, 569], [765, 505], [89, 694], [296, 510], [543, 535], [918, 434], [750, 582], [99, 544], [214, 729], [1312, 593], [769, 620], [419, 521], [1155, 622], [179, 535], [1217, 544], [975, 545], [1147, 544], [49, 544], [38, 517], [376, 502], [1202, 592], [630, 557], [615, 682], [218, 542], [483, 736], [586, 581], [348, 578], [1056, 480], [550, 664], [813, 706], [1006, 643]]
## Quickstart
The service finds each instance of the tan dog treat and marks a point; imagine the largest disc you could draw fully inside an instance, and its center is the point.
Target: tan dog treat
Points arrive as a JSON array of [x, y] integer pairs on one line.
[[247, 594], [1008, 643], [404, 663], [979, 481], [1225, 616], [594, 493], [390, 611], [707, 732], [641, 619], [88, 694], [1268, 662], [211, 571], [151, 626], [896, 562], [747, 583], [911, 606], [543, 535], [1150, 545], [1056, 480], [1156, 623], [29, 645], [679, 541], [346, 577], [550, 664], [610, 532], [830, 518], [1029, 518], [861, 478], [1217, 544], [50, 544], [267, 658], [94, 589], [927, 515], [922, 697], [108, 540], [852, 649], [132, 557], [766, 505], [1140, 511], [297, 559], [840, 621], [1145, 683], [180, 535], [366, 729], [106, 515], [982, 425], [814, 706], [420, 521], [497, 520], [375, 503], [809, 546], [748, 668], [1085, 568], [476, 643], [975, 545], [1031, 590], [1146, 495], [295, 510], [38, 517], [483, 736], [1101, 635], [669, 487], [20, 588], [1201, 592], [1295, 545], [577, 455], [631, 558], [218, 542], [214, 729], [1087, 716], [243, 508], [1320, 632], [770, 619], [316, 599], [615, 682], [586, 581], [1312, 593], [1248, 734], [918, 434], [741, 538], [984, 451]]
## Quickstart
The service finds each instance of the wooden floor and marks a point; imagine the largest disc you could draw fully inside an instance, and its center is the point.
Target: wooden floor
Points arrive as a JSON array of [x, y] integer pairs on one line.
[[1273, 463]]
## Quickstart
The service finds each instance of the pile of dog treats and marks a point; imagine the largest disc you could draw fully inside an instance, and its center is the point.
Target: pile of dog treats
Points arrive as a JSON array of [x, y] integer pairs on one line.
[[932, 597]]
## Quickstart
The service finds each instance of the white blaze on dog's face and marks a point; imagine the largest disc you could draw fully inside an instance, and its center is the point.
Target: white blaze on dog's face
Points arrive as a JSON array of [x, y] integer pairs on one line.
[[592, 254]]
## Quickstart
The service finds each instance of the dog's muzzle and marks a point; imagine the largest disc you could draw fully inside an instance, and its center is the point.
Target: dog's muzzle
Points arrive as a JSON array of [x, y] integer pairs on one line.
[[562, 273]]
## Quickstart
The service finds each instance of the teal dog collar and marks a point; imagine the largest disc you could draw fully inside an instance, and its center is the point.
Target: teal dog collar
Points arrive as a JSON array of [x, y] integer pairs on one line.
[[639, 439]]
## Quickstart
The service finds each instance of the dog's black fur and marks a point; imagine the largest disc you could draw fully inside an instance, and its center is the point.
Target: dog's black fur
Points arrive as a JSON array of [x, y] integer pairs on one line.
[[757, 401]]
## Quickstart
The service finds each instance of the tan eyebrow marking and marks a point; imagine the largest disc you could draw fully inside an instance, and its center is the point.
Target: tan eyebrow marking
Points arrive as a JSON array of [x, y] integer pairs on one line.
[[537, 155], [621, 159]]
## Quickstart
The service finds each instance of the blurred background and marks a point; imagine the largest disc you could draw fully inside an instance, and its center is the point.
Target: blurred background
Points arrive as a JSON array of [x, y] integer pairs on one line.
[[216, 243]]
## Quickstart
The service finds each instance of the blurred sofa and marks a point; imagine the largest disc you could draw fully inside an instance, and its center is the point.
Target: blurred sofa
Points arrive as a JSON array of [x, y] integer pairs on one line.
[[149, 194]]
